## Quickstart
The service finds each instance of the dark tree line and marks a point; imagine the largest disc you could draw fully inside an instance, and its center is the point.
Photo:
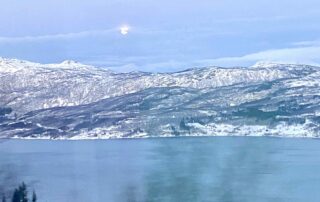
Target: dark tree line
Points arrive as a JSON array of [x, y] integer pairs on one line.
[[20, 194]]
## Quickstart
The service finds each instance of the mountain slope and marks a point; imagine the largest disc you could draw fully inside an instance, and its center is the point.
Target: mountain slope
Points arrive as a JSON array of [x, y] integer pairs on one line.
[[268, 108], [26, 86], [266, 99]]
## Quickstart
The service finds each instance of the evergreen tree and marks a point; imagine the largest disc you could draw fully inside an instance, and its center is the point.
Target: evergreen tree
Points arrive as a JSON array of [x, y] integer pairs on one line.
[[34, 197], [20, 194], [23, 192], [4, 198], [16, 196]]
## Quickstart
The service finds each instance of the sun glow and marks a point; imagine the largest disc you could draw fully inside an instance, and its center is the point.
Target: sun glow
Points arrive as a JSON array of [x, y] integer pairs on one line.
[[124, 30]]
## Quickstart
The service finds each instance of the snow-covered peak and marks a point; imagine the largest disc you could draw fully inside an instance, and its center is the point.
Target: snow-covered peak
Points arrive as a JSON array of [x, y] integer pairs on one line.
[[69, 62], [8, 65], [267, 64], [17, 62]]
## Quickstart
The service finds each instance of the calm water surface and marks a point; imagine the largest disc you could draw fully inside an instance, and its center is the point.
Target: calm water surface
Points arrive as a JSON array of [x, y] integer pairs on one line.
[[222, 169]]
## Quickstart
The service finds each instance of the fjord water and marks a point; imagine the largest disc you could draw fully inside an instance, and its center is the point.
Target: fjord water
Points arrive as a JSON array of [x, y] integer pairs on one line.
[[165, 169]]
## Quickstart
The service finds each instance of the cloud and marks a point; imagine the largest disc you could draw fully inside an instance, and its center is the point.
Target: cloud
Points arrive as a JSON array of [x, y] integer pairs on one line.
[[307, 43], [72, 35], [305, 52], [129, 66], [296, 55], [95, 33]]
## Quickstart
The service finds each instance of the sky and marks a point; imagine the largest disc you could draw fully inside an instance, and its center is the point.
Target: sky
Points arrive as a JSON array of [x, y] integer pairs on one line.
[[163, 36]]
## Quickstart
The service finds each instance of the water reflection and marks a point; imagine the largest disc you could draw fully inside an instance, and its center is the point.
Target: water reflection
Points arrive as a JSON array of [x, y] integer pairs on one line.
[[208, 171], [8, 179], [223, 169]]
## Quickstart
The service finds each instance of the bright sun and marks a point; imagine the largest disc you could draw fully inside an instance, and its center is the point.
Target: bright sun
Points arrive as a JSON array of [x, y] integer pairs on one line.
[[124, 30]]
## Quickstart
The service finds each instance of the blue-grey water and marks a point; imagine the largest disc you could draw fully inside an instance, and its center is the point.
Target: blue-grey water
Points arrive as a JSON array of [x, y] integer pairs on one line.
[[222, 169]]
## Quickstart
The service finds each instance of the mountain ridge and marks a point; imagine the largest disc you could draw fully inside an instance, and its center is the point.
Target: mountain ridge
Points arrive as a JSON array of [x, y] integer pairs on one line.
[[62, 101], [34, 86]]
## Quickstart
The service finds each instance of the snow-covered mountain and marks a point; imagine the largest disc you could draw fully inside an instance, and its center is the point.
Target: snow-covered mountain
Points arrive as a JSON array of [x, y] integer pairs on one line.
[[26, 86], [72, 100]]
